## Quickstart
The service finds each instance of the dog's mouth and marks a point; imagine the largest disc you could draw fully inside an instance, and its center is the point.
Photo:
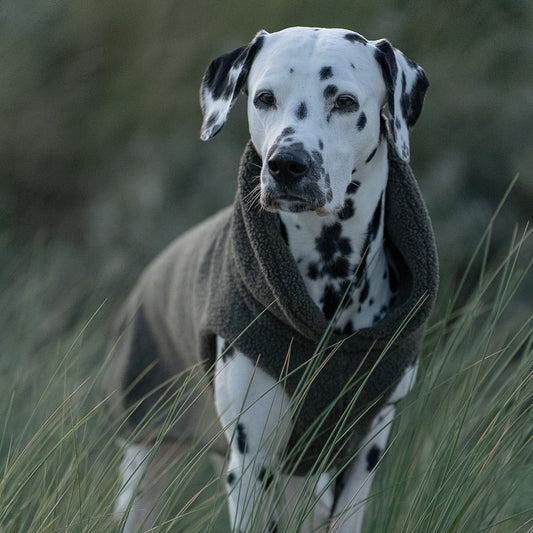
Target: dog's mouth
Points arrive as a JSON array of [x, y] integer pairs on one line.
[[292, 204]]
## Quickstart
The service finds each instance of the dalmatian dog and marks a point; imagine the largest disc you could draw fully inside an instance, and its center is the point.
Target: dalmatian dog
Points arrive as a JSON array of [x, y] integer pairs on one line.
[[321, 105]]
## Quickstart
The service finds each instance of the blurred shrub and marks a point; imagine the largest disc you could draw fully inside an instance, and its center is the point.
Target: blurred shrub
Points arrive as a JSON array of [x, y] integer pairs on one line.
[[99, 117]]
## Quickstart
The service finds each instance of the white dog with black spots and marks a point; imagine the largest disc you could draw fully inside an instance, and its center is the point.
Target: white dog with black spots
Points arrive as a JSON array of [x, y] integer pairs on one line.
[[321, 104]]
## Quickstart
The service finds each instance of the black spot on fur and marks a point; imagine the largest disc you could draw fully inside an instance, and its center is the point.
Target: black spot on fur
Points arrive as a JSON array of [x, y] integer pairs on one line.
[[268, 480], [352, 187], [301, 111], [363, 295], [211, 120], [348, 328], [326, 243], [231, 478], [385, 275], [284, 234], [361, 123], [355, 38], [287, 131], [312, 271], [371, 302], [373, 227], [242, 438], [320, 144], [291, 70], [326, 73], [371, 156], [227, 351], [347, 210], [330, 91], [272, 527], [354, 170], [330, 301], [372, 458]]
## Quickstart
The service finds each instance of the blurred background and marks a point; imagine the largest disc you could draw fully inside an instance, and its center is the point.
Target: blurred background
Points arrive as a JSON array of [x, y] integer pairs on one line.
[[100, 159]]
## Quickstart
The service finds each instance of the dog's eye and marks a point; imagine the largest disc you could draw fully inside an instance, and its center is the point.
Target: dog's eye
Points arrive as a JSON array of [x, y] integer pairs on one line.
[[345, 102], [265, 99]]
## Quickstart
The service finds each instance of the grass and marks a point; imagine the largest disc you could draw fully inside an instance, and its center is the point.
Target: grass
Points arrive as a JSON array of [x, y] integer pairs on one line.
[[460, 455]]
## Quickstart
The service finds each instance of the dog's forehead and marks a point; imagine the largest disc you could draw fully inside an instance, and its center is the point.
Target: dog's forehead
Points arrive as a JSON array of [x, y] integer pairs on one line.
[[307, 51]]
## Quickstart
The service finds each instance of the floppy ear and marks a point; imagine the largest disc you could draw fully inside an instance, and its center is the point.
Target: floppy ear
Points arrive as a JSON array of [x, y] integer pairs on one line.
[[222, 83], [406, 85]]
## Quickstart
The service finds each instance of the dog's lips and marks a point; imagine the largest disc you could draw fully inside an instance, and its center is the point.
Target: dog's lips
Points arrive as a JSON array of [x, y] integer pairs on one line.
[[291, 204]]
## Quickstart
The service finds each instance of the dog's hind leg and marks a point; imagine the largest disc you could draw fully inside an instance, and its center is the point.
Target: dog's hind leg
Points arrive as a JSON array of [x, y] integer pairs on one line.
[[128, 505], [145, 473]]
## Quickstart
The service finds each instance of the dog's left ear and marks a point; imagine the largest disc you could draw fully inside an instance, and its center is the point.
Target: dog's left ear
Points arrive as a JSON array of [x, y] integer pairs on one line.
[[406, 85], [222, 83]]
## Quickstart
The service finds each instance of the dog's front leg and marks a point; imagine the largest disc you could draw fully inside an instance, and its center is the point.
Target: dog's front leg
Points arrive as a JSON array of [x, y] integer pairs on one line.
[[350, 506], [254, 411]]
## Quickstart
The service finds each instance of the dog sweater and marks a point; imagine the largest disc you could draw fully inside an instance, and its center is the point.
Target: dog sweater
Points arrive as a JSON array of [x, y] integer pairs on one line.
[[234, 276]]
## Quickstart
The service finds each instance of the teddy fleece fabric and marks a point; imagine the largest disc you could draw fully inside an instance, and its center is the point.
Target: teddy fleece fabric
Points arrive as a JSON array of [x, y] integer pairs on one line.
[[234, 276]]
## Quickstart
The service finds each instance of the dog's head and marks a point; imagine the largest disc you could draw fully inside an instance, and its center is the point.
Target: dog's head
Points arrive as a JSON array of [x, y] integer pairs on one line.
[[315, 99]]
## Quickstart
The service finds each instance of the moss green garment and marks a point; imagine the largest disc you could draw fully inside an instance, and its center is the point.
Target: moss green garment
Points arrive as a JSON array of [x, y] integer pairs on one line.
[[234, 276]]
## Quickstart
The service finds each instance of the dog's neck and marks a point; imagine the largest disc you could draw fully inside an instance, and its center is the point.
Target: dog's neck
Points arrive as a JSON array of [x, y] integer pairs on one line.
[[330, 249]]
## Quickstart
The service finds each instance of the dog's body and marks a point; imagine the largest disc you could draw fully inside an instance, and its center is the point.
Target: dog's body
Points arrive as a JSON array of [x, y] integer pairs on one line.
[[315, 101]]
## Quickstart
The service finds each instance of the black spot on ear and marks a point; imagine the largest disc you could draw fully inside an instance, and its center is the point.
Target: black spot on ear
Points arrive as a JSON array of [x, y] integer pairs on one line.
[[301, 111], [355, 38], [242, 438], [211, 120], [330, 91], [326, 73], [372, 458], [371, 156], [361, 123]]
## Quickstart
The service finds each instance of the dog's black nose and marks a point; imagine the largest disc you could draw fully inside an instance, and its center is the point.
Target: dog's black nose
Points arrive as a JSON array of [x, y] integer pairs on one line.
[[288, 166]]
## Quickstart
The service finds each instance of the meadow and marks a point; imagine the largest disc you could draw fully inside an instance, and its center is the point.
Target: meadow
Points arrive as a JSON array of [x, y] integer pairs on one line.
[[101, 166]]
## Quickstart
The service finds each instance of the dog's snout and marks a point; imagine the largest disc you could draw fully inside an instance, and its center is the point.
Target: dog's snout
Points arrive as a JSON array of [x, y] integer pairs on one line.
[[288, 166]]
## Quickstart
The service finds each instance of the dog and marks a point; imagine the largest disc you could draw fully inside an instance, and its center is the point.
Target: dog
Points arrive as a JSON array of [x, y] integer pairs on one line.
[[327, 109]]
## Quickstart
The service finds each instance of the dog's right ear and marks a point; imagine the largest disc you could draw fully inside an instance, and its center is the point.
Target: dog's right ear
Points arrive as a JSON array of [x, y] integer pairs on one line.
[[222, 83]]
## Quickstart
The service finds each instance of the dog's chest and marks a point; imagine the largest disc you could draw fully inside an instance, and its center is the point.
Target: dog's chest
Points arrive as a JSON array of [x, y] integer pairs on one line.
[[343, 265]]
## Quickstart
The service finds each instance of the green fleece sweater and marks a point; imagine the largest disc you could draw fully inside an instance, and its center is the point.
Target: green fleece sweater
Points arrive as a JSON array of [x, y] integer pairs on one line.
[[234, 276]]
